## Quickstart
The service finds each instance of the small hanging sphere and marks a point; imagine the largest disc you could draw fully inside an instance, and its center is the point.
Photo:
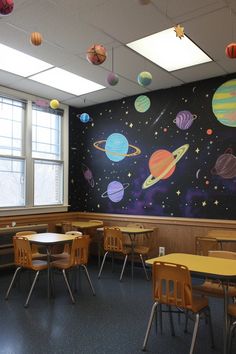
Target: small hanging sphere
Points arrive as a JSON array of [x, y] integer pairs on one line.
[[112, 79], [54, 104], [96, 54], [144, 78], [230, 50], [36, 38], [6, 7]]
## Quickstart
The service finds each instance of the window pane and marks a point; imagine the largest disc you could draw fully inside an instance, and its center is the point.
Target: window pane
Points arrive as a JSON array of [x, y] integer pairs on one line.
[[12, 182], [46, 135], [11, 126], [48, 182]]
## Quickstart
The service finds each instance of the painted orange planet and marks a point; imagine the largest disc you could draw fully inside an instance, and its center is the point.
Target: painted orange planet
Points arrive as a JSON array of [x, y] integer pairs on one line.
[[162, 165]]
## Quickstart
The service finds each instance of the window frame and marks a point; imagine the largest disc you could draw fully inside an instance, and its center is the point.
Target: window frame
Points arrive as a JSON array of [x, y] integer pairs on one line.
[[29, 207]]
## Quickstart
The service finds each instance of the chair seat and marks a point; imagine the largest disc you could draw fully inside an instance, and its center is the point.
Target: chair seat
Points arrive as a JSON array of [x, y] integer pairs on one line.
[[141, 250], [199, 303], [63, 255], [63, 263], [38, 255], [232, 310], [39, 264], [213, 288]]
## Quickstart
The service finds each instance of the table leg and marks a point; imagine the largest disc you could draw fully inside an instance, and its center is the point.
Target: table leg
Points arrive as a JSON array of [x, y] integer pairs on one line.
[[49, 275], [132, 239], [225, 337]]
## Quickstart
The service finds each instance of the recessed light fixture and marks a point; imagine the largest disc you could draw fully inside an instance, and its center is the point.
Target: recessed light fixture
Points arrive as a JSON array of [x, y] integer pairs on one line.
[[66, 81], [169, 52], [19, 63]]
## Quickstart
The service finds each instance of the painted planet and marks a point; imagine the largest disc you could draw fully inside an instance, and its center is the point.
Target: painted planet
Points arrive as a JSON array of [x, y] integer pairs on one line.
[[162, 165], [144, 78], [115, 191], [224, 103], [112, 79], [225, 165], [6, 7], [116, 147], [184, 119], [54, 104], [85, 118], [88, 175], [142, 103]]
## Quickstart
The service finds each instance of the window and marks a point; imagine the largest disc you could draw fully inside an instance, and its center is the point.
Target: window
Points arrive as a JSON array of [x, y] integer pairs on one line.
[[33, 156]]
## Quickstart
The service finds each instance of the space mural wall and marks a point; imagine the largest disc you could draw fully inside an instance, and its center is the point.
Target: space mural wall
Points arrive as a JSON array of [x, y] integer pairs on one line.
[[168, 153]]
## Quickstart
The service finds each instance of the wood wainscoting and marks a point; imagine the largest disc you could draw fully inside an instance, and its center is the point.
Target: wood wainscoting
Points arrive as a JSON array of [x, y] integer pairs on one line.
[[175, 234]]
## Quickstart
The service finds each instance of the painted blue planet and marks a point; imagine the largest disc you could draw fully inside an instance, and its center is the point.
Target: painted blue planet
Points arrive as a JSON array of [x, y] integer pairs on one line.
[[116, 147], [84, 117]]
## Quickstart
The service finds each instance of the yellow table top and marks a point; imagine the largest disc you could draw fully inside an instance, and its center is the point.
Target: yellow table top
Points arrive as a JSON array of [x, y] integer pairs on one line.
[[49, 238], [220, 267], [130, 230], [86, 224]]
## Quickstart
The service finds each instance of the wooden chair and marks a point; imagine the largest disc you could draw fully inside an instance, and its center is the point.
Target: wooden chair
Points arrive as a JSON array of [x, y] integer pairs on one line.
[[65, 251], [232, 326], [172, 287], [205, 244], [23, 259], [36, 251], [214, 287], [113, 243], [78, 258]]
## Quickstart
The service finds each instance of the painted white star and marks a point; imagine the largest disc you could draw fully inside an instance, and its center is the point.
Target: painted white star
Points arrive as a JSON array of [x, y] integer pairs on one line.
[[178, 192], [197, 150], [204, 203], [131, 125], [216, 202], [129, 174]]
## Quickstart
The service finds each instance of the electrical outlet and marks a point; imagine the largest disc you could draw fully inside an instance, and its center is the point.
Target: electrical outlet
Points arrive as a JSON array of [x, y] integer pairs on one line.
[[161, 251]]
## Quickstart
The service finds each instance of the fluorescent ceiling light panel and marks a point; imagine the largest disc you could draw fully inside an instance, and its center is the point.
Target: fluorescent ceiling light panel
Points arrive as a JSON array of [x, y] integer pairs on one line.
[[18, 63], [168, 51], [66, 81]]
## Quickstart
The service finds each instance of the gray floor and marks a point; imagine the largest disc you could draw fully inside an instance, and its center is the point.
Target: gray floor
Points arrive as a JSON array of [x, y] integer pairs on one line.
[[114, 321]]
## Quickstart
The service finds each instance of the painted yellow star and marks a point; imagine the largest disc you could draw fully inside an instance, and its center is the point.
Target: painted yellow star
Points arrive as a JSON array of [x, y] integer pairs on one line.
[[179, 31]]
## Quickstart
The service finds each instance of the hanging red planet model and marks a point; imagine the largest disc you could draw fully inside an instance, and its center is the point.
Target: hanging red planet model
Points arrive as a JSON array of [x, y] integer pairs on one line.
[[230, 50], [6, 7]]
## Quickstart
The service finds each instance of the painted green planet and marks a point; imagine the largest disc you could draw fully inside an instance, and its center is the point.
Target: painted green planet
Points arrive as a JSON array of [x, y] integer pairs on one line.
[[224, 103]]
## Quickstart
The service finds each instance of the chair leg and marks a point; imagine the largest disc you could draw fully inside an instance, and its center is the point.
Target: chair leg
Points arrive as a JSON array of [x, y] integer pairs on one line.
[[144, 268], [195, 330], [231, 331], [12, 282], [103, 261], [210, 327], [89, 279], [68, 285], [123, 268], [31, 289], [149, 325], [160, 317], [171, 322]]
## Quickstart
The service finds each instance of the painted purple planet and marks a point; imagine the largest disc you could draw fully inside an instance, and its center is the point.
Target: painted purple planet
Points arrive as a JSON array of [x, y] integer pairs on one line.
[[115, 191], [225, 165], [88, 175], [184, 120]]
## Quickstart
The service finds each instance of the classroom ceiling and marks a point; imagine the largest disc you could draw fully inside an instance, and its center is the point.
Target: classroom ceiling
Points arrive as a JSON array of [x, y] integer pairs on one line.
[[69, 27]]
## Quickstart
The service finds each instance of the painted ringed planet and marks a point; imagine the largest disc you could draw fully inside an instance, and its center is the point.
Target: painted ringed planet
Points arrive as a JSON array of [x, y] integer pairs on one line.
[[115, 153], [167, 162]]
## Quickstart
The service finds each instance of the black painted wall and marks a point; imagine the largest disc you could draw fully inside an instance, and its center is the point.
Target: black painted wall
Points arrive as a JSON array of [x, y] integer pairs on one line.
[[175, 159]]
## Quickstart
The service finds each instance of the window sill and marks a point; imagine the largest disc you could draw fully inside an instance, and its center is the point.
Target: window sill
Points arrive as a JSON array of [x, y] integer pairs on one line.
[[34, 210]]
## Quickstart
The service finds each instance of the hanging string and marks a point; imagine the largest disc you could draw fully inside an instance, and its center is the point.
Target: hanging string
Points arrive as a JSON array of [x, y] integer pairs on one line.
[[112, 59]]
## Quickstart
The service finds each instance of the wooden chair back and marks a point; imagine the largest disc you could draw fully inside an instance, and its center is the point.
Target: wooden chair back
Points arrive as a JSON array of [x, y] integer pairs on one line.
[[80, 250], [205, 244], [222, 254], [172, 284], [66, 226], [22, 252], [113, 239], [34, 248], [141, 239]]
